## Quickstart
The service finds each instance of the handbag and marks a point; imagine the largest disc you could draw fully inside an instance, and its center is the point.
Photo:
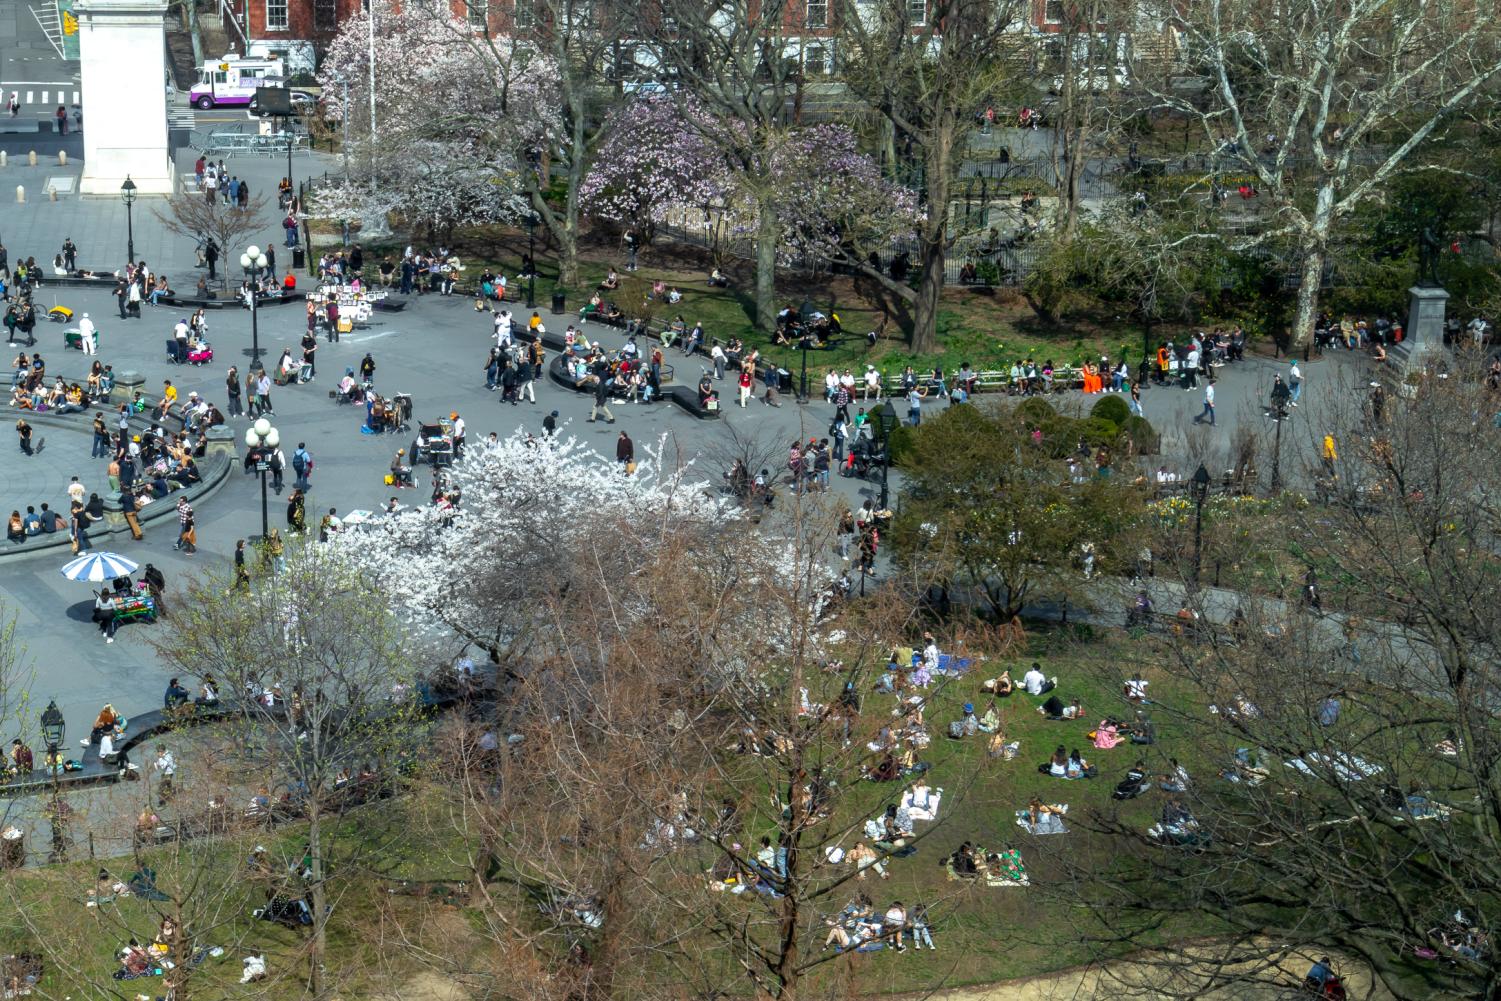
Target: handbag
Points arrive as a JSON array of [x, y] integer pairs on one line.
[[630, 469]]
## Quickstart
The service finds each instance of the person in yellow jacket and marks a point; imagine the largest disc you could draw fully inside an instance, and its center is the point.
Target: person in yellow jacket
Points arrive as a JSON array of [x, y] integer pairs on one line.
[[1328, 453]]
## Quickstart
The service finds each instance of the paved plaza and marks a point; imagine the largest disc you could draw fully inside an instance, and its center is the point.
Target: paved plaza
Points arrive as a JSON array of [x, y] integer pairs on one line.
[[434, 351]]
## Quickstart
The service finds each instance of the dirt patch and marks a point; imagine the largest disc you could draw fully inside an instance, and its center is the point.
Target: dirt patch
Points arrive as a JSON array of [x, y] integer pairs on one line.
[[426, 987]]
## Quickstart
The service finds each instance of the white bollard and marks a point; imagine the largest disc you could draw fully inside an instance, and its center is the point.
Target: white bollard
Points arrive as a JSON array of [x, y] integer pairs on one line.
[[3, 157], [62, 158], [32, 157], [21, 194], [52, 194]]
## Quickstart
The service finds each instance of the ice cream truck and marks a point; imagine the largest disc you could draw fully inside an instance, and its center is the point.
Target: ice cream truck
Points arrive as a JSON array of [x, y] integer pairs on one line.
[[232, 80]]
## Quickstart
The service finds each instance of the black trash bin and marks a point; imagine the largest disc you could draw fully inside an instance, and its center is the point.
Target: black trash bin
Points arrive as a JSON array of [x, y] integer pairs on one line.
[[559, 304], [299, 259], [784, 381]]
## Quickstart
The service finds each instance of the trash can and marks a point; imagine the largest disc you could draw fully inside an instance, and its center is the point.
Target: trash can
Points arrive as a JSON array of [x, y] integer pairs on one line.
[[559, 303], [299, 259], [784, 381]]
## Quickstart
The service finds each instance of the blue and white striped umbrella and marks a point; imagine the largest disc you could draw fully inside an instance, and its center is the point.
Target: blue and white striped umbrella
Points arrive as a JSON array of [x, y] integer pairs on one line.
[[99, 567]]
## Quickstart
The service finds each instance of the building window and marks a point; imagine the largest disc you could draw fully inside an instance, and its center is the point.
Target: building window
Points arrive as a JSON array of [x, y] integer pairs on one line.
[[479, 14], [818, 13], [276, 15], [325, 15], [816, 61], [1052, 11], [917, 12], [526, 15]]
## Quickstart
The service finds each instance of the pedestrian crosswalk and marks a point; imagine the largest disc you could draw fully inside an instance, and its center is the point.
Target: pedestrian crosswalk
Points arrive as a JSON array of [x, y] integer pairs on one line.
[[46, 96], [180, 118]]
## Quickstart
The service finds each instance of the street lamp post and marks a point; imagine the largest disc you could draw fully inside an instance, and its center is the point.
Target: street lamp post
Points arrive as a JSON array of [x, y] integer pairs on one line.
[[53, 728], [1277, 458], [128, 196], [889, 421], [254, 263], [259, 437], [802, 394], [531, 270], [1199, 484]]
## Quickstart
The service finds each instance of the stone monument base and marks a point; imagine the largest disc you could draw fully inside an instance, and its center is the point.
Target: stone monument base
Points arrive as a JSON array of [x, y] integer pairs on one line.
[[1423, 337]]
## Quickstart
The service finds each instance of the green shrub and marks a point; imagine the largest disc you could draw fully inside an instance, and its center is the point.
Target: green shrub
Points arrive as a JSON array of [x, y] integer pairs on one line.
[[1111, 408], [903, 444], [1144, 438], [1097, 431], [1034, 411], [986, 273]]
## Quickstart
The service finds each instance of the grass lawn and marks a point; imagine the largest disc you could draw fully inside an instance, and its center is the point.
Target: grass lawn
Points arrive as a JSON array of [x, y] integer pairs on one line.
[[983, 934]]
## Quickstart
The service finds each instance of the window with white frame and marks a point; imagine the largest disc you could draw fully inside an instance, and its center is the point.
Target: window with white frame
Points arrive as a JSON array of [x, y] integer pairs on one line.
[[525, 16], [479, 13], [276, 15], [1052, 11], [818, 13], [817, 60], [917, 12]]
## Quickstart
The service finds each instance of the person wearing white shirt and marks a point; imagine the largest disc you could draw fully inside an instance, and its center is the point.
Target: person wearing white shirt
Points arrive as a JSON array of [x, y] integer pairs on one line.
[[720, 360], [930, 653], [1036, 683], [86, 334], [459, 429]]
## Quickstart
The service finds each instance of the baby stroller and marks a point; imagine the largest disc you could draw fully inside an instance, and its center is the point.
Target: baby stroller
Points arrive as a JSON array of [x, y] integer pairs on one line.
[[202, 354]]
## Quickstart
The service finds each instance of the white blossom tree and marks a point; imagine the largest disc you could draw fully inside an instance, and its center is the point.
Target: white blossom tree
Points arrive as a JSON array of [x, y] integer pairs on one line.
[[537, 517]]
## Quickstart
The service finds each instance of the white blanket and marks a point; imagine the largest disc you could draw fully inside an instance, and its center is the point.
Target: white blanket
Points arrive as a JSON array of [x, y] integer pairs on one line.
[[927, 808], [1345, 767]]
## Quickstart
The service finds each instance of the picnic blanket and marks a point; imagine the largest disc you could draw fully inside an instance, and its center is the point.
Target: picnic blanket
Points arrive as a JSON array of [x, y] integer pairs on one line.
[[1345, 767], [1049, 823]]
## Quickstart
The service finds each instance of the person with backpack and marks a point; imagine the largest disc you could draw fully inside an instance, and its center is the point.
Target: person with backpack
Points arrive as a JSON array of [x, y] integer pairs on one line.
[[302, 465]]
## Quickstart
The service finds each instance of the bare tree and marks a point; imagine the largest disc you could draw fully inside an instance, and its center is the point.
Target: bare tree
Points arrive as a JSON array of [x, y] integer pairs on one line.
[[928, 78], [1355, 811], [1323, 104], [225, 223], [317, 667]]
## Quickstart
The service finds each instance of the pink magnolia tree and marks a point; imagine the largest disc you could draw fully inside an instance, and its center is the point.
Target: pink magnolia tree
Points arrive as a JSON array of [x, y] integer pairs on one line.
[[662, 159]]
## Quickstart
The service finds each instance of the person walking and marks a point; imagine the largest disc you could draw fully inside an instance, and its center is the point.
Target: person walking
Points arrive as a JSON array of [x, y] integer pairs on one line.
[[302, 465], [1135, 402], [187, 530], [625, 453], [1208, 410], [601, 398], [296, 513], [1294, 384], [914, 406], [23, 432], [100, 449], [211, 257], [242, 575], [746, 383], [232, 392], [165, 768]]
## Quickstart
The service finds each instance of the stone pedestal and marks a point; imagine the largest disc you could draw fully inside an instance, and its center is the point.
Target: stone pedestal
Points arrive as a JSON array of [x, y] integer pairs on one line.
[[1423, 338], [123, 63]]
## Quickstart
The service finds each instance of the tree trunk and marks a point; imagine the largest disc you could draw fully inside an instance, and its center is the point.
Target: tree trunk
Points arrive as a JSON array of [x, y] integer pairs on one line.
[[190, 20], [1315, 250], [768, 236], [933, 237], [1308, 296], [319, 941]]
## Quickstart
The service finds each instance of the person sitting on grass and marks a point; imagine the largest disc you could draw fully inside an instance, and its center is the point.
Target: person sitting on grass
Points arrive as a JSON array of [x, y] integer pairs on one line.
[[1077, 767], [1176, 780], [967, 725], [1106, 735], [1142, 730], [1134, 784], [965, 862], [1057, 765], [1135, 689], [1036, 683], [991, 721]]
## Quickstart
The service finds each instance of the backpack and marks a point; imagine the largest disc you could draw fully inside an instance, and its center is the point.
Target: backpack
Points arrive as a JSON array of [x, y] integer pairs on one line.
[[299, 460]]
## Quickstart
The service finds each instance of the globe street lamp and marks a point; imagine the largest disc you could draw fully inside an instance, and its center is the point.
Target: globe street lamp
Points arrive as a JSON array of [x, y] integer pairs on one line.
[[53, 727], [889, 420], [254, 263], [128, 196], [260, 438], [1198, 485]]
